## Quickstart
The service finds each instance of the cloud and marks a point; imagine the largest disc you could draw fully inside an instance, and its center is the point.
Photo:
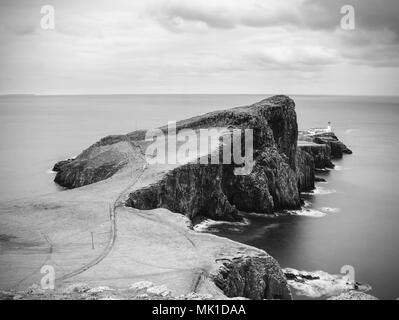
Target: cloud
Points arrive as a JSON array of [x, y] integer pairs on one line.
[[224, 14], [197, 46], [314, 14], [295, 57]]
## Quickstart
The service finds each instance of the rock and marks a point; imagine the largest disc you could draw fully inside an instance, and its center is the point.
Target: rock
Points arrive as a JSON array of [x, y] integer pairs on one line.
[[318, 179], [7, 295], [99, 162], [321, 154], [317, 284], [196, 296], [281, 169], [110, 298], [34, 289], [77, 288], [159, 291], [305, 171], [215, 191], [141, 285], [100, 289], [336, 146], [353, 295], [58, 166], [256, 277]]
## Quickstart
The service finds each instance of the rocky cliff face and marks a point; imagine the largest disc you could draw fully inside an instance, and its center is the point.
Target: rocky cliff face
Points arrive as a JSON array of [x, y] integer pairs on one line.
[[321, 154], [213, 190], [280, 172], [338, 149], [256, 277], [305, 170]]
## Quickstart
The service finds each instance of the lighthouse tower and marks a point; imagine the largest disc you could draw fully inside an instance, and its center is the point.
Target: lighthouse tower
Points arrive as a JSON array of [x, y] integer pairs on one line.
[[329, 128]]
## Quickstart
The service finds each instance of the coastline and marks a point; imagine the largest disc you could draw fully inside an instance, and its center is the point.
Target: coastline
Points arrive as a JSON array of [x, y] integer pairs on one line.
[[211, 256]]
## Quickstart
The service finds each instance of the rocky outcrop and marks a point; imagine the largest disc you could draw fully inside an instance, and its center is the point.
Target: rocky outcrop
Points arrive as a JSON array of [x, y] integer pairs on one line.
[[338, 149], [99, 162], [305, 168], [281, 169], [322, 148], [209, 190], [214, 190], [321, 154], [252, 277], [353, 295], [58, 166], [316, 284]]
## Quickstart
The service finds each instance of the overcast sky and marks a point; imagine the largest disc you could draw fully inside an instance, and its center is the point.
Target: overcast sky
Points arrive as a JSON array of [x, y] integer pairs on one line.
[[199, 46]]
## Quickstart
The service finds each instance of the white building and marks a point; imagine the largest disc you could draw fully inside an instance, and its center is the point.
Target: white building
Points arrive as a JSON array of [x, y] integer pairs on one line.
[[315, 131]]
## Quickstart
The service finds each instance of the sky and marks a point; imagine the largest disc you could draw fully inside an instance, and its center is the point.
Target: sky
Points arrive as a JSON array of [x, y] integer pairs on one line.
[[199, 46]]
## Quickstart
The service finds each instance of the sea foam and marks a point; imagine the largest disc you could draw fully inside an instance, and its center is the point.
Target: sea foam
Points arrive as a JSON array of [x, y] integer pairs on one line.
[[319, 190], [209, 224]]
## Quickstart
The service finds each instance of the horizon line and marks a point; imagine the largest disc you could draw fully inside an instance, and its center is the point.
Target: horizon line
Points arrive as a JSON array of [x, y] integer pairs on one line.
[[160, 93]]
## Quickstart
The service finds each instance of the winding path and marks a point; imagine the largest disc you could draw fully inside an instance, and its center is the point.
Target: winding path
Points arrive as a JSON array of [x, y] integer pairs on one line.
[[198, 272], [113, 230]]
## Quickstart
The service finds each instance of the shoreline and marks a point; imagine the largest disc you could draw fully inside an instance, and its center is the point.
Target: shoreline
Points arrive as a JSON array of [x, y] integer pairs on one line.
[[211, 262]]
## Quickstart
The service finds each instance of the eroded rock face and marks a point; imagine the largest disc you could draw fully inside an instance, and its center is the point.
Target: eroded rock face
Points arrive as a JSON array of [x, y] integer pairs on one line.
[[336, 146], [99, 162], [305, 171], [190, 189], [213, 190], [256, 277], [321, 154], [280, 172]]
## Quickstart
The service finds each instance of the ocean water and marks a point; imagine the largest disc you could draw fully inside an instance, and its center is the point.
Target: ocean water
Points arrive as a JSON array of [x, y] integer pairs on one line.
[[353, 219]]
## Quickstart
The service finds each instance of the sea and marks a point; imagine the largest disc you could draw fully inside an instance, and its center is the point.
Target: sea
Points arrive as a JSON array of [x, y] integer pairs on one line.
[[350, 220]]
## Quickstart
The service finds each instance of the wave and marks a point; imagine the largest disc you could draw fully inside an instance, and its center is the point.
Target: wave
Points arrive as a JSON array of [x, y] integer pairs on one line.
[[259, 215], [212, 225], [319, 190], [330, 210], [50, 171], [308, 212]]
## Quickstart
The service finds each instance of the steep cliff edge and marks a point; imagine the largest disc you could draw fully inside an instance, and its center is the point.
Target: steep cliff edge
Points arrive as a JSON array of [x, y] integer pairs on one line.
[[282, 166], [209, 190]]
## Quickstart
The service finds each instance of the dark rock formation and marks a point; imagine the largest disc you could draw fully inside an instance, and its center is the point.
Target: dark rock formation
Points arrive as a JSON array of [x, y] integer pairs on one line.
[[336, 146], [57, 167], [256, 277], [99, 162], [305, 170], [321, 154], [280, 172], [213, 190]]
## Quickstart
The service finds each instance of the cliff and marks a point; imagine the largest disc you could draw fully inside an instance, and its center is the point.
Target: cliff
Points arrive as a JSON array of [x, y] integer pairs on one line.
[[282, 165], [138, 214], [208, 190]]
